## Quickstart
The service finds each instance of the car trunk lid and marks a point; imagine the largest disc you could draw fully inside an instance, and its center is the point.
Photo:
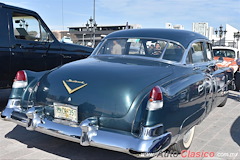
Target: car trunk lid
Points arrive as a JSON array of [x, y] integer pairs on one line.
[[100, 86]]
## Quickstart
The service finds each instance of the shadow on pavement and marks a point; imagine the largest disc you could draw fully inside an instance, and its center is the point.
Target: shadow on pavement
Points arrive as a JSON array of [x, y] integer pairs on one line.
[[63, 148], [235, 131]]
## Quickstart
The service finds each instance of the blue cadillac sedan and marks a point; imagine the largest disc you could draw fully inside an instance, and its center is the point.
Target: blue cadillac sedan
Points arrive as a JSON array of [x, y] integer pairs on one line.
[[142, 91]]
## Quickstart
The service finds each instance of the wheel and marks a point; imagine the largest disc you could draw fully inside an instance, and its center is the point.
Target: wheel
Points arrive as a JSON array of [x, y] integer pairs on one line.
[[184, 143], [223, 103], [237, 80]]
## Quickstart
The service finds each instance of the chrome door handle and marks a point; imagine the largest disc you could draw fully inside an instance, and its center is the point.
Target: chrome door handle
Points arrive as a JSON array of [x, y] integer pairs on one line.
[[196, 68], [67, 56]]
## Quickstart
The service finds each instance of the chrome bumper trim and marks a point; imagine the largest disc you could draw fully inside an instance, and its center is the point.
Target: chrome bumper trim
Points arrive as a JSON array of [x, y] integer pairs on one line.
[[88, 134]]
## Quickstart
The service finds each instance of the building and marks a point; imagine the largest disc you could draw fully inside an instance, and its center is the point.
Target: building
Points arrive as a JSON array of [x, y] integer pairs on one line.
[[201, 28], [224, 39], [85, 35], [227, 38], [176, 26], [204, 29]]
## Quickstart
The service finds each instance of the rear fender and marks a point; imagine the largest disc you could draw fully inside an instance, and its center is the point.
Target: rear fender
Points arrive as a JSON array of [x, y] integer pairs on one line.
[[25, 92], [177, 114]]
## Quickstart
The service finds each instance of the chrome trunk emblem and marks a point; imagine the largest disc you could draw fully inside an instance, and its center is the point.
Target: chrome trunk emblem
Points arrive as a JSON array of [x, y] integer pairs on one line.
[[70, 90]]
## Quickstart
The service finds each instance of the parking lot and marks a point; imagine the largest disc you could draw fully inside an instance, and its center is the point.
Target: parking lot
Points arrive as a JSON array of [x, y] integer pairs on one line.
[[218, 135]]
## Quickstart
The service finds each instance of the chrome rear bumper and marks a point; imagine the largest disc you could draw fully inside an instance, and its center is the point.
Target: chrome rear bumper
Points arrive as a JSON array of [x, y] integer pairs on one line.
[[87, 133]]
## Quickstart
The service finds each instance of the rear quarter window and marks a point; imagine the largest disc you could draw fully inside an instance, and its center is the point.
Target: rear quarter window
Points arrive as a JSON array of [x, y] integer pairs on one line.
[[197, 52], [173, 52]]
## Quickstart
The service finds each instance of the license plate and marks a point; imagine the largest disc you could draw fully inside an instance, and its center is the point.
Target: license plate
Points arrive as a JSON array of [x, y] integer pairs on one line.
[[67, 112]]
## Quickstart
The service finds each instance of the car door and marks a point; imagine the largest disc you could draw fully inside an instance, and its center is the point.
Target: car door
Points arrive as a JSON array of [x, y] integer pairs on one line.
[[52, 56], [210, 78], [73, 52], [202, 63], [27, 49], [32, 47], [215, 80], [5, 55], [219, 78]]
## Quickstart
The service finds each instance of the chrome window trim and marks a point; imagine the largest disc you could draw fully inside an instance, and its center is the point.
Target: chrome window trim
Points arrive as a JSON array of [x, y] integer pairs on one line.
[[96, 51], [189, 47]]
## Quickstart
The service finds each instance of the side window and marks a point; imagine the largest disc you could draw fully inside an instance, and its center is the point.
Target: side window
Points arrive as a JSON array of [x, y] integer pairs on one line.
[[197, 52], [136, 47], [155, 48], [44, 35], [173, 52], [116, 46], [209, 52], [27, 27]]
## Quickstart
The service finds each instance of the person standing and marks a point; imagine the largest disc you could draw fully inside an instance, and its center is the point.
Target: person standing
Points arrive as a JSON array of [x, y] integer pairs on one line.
[[117, 49]]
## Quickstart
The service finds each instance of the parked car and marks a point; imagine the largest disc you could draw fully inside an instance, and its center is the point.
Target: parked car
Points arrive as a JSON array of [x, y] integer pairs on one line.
[[229, 57], [66, 39], [27, 43], [133, 102]]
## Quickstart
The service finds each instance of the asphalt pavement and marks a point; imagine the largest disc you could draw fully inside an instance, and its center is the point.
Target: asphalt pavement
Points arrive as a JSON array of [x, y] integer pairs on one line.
[[217, 137]]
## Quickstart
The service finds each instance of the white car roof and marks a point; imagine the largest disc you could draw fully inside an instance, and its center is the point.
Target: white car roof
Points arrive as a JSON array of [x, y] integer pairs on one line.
[[224, 47]]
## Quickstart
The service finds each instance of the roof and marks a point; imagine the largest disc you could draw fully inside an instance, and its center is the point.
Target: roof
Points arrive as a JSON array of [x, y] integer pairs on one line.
[[182, 36], [225, 47], [112, 25], [17, 8]]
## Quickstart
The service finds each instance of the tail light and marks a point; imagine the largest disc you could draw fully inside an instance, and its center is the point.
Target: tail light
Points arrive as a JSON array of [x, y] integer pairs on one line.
[[20, 76], [20, 80], [155, 99]]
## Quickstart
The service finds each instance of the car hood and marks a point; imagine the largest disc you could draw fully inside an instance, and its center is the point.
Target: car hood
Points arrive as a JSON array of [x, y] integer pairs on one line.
[[227, 62], [105, 86], [69, 47]]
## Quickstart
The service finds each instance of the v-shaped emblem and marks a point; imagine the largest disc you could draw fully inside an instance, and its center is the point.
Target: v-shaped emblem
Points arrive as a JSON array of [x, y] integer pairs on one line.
[[70, 91]]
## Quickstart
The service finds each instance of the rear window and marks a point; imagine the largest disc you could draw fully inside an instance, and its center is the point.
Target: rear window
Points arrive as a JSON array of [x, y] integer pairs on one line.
[[142, 47], [224, 53], [173, 52]]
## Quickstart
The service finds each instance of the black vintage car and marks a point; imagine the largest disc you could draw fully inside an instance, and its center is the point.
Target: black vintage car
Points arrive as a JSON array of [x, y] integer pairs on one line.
[[127, 96], [27, 43]]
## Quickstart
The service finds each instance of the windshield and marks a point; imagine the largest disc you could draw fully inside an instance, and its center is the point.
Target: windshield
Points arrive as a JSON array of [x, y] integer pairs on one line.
[[224, 53], [142, 47]]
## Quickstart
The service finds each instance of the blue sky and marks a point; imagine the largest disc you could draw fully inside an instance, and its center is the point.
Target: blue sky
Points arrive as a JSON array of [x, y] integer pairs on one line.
[[59, 14]]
